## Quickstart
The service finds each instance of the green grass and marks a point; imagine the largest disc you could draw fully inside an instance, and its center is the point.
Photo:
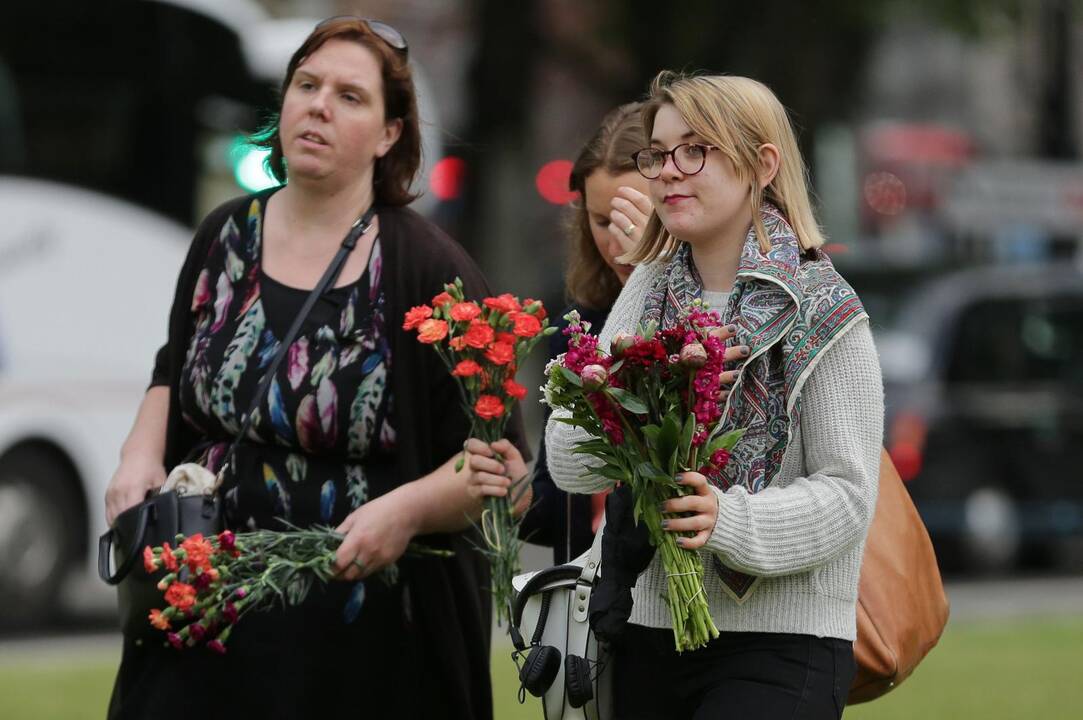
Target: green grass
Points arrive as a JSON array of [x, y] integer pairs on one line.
[[988, 670], [55, 690], [1009, 670]]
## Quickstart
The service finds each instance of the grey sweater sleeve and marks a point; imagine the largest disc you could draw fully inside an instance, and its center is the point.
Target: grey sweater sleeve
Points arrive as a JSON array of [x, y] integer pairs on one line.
[[815, 518], [568, 470]]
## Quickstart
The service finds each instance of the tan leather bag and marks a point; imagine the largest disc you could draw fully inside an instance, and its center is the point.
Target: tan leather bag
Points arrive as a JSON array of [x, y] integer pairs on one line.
[[901, 605]]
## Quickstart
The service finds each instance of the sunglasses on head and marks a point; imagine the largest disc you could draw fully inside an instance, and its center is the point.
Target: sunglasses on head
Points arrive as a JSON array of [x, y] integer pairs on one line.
[[382, 30]]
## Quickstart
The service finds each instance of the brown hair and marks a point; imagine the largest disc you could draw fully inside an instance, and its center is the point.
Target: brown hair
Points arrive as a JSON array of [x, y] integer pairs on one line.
[[589, 280], [738, 115], [395, 171]]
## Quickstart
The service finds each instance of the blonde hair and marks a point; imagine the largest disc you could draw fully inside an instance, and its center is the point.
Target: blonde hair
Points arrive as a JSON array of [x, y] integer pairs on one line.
[[738, 115]]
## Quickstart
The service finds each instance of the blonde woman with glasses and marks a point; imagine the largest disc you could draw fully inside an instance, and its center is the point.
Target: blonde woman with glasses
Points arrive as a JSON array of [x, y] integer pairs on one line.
[[782, 528]]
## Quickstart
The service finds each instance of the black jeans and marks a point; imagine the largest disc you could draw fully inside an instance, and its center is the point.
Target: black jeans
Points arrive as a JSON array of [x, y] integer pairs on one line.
[[740, 675]]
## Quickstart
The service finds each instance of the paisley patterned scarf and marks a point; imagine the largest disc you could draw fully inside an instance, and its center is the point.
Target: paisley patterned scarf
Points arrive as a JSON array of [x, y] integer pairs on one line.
[[788, 309]]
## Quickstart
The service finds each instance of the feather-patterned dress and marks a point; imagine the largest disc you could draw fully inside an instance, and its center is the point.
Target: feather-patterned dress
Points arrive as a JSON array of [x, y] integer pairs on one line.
[[415, 649], [322, 443], [323, 428]]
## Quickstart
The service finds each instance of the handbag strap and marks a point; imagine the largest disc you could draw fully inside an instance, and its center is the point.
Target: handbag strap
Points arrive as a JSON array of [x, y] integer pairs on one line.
[[359, 228], [105, 546], [585, 584], [594, 558]]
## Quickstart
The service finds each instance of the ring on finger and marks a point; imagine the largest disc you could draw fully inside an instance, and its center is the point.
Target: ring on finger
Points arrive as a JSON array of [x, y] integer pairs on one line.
[[629, 230], [358, 563]]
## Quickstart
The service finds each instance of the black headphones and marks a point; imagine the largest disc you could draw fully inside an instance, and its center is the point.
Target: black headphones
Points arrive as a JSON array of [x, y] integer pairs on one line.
[[539, 670], [577, 681]]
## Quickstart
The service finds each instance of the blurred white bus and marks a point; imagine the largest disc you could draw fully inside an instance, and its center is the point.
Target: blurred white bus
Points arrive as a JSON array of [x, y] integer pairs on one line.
[[86, 283]]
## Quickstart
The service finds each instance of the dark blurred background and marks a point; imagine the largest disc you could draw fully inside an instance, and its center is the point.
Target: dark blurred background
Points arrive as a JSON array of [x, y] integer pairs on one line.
[[943, 139]]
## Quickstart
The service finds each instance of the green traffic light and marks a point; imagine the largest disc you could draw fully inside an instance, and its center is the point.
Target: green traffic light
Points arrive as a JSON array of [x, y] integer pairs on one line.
[[248, 165]]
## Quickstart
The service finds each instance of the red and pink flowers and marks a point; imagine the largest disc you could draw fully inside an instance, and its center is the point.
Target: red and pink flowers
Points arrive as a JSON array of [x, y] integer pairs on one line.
[[652, 409], [211, 582], [193, 588]]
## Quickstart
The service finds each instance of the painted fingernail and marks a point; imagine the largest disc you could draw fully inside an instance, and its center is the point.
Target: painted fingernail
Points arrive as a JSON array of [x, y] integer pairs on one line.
[[731, 328], [665, 524], [680, 541], [745, 350], [661, 507]]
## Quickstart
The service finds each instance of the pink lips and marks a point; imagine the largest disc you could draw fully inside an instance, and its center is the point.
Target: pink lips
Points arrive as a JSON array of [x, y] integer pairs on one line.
[[674, 199]]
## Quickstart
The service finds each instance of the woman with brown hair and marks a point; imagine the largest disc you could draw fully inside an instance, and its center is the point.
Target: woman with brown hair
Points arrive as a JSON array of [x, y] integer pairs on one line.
[[610, 215], [611, 212], [359, 428]]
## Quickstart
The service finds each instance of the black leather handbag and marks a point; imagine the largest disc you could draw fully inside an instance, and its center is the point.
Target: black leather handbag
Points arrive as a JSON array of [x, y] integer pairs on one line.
[[163, 516], [156, 520]]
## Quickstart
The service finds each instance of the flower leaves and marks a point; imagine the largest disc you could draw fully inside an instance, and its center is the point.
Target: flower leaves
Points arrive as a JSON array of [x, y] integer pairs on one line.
[[297, 588], [684, 443], [724, 441], [628, 401], [571, 376]]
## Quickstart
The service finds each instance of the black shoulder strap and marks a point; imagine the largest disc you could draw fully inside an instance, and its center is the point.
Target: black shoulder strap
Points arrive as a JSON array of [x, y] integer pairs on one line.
[[327, 281]]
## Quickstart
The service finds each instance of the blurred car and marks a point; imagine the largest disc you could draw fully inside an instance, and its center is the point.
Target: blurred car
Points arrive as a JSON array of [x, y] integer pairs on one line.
[[983, 375], [86, 283]]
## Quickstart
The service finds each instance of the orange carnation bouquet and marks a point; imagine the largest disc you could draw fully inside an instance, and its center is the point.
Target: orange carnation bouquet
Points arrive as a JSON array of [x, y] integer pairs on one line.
[[482, 345], [210, 583]]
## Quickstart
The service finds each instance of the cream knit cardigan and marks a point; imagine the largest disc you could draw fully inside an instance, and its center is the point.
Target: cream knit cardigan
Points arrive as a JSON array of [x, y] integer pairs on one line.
[[803, 535]]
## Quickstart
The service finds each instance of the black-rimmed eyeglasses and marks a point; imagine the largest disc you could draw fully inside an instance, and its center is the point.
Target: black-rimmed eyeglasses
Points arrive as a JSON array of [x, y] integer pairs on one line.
[[689, 159], [391, 36]]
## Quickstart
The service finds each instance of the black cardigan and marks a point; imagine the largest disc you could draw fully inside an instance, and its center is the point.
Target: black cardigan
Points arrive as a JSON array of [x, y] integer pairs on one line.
[[450, 599]]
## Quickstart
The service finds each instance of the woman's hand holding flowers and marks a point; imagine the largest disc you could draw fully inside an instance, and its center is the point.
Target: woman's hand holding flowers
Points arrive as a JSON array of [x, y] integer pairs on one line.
[[377, 534], [489, 476], [700, 511]]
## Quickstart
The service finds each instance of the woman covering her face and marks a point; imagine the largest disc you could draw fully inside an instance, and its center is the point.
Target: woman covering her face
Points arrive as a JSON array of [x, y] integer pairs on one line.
[[781, 533], [360, 428], [608, 222]]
